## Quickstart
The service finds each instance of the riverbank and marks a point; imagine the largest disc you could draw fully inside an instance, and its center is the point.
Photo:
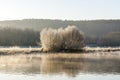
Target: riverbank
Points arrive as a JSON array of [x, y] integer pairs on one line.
[[30, 50], [19, 50]]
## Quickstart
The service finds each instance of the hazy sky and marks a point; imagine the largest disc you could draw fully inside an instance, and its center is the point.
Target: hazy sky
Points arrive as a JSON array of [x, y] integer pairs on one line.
[[60, 9]]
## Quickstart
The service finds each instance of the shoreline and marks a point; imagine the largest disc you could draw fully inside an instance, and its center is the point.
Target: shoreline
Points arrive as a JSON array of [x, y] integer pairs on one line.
[[30, 50]]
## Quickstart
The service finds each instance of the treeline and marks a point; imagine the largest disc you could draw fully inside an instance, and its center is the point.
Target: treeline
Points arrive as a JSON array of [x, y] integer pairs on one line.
[[18, 37], [89, 27], [30, 37], [110, 39]]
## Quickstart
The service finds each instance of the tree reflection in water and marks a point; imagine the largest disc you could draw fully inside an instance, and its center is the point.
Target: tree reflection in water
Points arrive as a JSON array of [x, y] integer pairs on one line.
[[71, 66]]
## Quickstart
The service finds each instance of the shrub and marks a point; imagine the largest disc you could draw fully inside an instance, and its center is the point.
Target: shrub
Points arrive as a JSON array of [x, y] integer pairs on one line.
[[51, 39], [73, 38], [57, 39]]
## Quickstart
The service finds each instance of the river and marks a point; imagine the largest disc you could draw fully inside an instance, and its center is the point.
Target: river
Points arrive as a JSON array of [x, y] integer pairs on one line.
[[61, 66]]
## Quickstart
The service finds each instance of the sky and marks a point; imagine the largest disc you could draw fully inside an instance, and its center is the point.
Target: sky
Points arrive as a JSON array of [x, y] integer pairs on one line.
[[59, 9]]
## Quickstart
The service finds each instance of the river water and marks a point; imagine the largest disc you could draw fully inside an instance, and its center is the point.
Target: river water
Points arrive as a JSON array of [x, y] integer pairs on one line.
[[71, 66]]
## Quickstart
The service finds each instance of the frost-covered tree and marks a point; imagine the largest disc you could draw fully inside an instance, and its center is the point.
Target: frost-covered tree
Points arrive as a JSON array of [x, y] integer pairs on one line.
[[73, 38], [51, 39], [57, 39]]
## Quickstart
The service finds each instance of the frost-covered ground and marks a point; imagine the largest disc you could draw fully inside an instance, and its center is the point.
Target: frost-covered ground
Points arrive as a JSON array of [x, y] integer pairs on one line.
[[102, 49], [18, 50], [28, 50]]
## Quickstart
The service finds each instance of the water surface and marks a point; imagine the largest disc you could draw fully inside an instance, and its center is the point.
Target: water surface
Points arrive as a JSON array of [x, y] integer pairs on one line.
[[61, 66]]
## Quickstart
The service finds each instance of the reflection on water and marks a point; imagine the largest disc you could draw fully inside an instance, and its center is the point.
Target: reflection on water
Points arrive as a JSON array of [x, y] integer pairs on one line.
[[42, 64]]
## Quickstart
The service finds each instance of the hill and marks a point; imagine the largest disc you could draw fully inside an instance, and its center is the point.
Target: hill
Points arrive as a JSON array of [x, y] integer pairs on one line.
[[89, 27]]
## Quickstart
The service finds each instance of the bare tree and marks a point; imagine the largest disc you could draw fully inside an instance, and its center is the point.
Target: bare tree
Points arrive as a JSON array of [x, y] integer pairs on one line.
[[57, 39], [51, 39]]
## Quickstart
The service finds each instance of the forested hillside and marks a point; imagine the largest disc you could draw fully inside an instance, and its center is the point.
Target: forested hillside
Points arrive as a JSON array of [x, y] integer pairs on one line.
[[26, 32], [90, 27], [18, 37]]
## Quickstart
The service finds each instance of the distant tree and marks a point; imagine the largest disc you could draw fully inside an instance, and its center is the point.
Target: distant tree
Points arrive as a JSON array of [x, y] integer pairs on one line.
[[110, 39], [18, 37]]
